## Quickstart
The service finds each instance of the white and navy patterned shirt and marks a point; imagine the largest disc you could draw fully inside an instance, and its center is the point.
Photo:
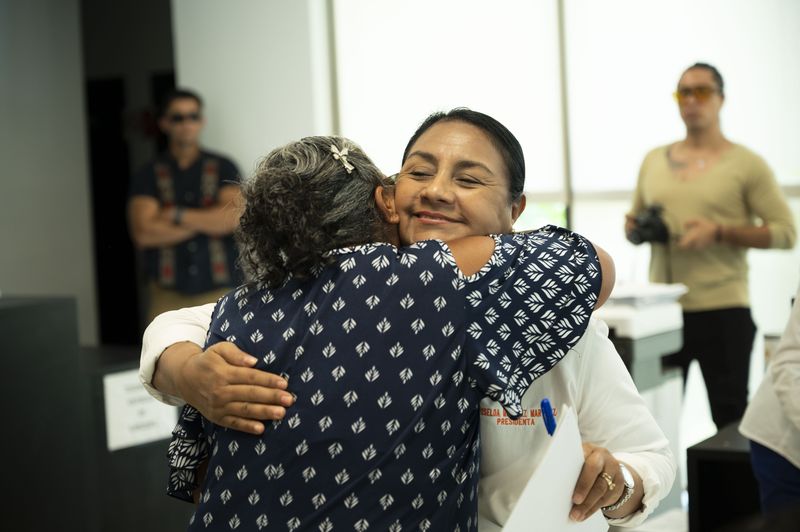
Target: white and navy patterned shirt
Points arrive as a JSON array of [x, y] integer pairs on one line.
[[389, 352]]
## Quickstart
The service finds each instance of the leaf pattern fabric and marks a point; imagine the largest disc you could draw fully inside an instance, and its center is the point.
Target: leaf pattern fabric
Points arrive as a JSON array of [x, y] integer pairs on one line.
[[389, 352]]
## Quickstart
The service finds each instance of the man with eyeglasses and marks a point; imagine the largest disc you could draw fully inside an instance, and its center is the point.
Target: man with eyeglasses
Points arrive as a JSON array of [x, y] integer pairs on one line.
[[183, 209], [710, 192]]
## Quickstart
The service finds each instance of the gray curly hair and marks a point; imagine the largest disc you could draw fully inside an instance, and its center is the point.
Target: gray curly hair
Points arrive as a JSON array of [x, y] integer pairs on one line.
[[303, 201]]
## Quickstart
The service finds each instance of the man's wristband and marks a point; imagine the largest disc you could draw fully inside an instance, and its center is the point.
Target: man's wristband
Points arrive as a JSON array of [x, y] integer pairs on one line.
[[178, 216], [718, 233]]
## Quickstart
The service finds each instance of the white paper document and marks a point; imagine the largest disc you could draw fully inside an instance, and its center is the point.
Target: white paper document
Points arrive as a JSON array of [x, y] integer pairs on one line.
[[132, 416], [546, 501]]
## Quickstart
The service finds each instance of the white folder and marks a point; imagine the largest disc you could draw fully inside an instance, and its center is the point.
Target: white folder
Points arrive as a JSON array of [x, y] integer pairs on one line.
[[546, 501]]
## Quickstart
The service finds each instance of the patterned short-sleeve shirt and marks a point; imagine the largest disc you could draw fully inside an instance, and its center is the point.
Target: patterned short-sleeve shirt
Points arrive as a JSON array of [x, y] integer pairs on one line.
[[389, 352]]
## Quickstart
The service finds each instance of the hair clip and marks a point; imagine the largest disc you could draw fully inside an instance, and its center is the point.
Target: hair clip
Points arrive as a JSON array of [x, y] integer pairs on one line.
[[342, 156]]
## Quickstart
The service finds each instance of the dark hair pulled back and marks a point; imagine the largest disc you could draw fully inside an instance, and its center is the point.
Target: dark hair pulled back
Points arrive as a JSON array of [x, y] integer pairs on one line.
[[502, 138]]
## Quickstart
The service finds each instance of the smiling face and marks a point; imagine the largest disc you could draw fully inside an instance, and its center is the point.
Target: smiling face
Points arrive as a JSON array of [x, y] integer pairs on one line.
[[454, 183]]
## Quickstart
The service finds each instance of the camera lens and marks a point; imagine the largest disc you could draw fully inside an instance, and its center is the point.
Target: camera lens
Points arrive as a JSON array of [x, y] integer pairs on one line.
[[635, 236], [649, 227]]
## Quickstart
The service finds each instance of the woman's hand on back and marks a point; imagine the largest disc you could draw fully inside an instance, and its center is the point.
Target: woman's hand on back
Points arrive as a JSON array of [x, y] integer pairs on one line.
[[222, 384]]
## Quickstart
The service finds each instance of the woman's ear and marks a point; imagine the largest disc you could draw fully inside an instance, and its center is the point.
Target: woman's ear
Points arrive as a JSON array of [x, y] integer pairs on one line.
[[384, 199], [517, 207]]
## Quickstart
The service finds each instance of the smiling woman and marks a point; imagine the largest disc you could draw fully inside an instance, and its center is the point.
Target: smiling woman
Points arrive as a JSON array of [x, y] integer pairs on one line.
[[463, 174], [341, 300]]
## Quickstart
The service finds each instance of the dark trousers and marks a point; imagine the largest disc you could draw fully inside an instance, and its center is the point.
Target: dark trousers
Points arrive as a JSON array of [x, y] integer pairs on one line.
[[778, 479], [721, 341]]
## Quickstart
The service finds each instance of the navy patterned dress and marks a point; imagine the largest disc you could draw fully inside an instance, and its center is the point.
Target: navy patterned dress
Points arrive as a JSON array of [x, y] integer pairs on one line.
[[389, 352]]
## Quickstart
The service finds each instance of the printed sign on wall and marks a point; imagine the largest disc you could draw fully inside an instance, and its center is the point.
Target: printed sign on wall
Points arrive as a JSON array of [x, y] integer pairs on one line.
[[132, 416]]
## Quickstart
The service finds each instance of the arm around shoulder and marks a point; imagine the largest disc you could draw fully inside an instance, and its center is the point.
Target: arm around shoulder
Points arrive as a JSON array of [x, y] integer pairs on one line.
[[471, 253]]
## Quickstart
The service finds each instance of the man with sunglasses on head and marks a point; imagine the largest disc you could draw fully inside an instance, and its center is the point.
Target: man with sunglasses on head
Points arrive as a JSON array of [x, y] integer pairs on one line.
[[183, 209], [717, 199]]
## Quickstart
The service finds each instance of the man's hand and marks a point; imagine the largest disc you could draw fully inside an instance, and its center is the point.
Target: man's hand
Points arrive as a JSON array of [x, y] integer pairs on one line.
[[151, 226], [222, 384], [630, 225], [699, 233]]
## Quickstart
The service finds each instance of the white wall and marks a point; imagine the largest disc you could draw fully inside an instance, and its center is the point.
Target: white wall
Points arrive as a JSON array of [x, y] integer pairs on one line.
[[399, 61], [624, 58], [262, 66], [45, 232], [259, 67]]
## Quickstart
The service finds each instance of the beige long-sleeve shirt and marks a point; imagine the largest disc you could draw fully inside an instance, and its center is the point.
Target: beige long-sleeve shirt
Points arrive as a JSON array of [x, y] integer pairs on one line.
[[739, 190]]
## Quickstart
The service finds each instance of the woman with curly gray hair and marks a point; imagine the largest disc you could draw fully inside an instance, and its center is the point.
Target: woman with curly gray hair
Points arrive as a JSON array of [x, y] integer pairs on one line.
[[389, 351], [307, 198]]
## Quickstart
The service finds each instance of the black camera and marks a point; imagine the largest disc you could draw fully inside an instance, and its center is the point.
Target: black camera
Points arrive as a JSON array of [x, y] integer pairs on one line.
[[649, 226]]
